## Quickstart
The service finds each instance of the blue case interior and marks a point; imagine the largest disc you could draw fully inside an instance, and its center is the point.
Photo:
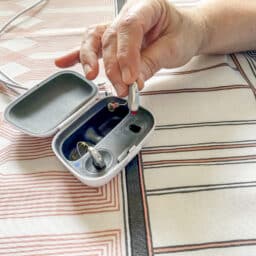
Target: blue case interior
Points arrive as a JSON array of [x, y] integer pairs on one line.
[[112, 133]]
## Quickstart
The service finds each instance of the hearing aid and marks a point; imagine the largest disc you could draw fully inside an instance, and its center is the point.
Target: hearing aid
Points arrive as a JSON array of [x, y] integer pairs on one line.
[[97, 159], [133, 98]]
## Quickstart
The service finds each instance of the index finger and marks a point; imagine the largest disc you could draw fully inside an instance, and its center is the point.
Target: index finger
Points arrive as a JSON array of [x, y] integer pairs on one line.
[[68, 60], [132, 26]]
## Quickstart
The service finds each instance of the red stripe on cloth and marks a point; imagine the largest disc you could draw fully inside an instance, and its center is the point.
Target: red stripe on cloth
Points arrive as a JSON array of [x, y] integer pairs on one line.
[[210, 245], [108, 241], [196, 148], [191, 90], [56, 198], [200, 160]]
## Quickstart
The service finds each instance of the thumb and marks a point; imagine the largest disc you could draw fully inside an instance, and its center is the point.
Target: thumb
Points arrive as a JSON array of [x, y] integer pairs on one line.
[[137, 19]]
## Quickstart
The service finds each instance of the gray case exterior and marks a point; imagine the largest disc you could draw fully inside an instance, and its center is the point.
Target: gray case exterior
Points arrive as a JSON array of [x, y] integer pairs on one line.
[[66, 102], [40, 110]]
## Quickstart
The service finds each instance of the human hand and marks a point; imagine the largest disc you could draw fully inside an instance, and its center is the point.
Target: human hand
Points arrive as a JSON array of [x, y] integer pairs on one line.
[[145, 37]]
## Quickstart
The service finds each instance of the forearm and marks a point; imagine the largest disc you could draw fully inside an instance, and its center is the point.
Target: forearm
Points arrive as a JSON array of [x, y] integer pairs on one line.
[[229, 26]]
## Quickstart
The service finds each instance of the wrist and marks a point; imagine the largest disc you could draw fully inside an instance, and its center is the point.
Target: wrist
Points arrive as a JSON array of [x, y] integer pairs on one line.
[[203, 30], [197, 29]]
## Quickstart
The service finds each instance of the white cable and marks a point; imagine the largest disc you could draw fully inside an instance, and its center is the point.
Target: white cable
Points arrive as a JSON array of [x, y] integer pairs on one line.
[[11, 80], [10, 21], [10, 87], [11, 83]]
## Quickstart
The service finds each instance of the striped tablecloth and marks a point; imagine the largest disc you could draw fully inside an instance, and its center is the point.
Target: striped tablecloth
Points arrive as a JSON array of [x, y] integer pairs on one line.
[[191, 190]]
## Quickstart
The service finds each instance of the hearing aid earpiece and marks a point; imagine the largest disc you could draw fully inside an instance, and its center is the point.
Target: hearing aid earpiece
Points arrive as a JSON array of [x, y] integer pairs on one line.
[[78, 151], [97, 159], [73, 156], [112, 106], [81, 148]]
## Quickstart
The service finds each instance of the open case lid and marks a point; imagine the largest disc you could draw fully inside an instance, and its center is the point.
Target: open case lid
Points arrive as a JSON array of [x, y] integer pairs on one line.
[[41, 110]]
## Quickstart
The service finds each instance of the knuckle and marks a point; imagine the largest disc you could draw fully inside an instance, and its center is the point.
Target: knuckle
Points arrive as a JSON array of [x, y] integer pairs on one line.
[[109, 35], [122, 56], [90, 31], [129, 21], [83, 48], [93, 31], [82, 55], [109, 72]]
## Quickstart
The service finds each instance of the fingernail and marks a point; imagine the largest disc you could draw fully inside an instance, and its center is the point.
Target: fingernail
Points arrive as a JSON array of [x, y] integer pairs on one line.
[[126, 75], [87, 69]]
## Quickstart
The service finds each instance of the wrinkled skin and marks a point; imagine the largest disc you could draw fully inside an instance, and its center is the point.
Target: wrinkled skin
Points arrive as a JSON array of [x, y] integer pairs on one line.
[[144, 37]]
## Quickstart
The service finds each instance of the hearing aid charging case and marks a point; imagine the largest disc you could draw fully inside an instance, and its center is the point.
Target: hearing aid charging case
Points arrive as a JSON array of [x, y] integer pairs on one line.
[[67, 106]]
